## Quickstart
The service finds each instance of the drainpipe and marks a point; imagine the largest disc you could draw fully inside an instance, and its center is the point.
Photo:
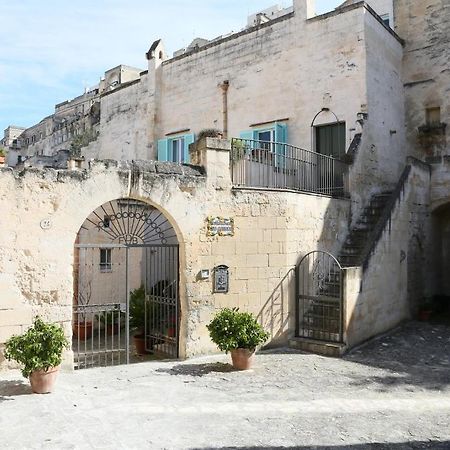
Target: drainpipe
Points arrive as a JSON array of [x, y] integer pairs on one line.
[[225, 85]]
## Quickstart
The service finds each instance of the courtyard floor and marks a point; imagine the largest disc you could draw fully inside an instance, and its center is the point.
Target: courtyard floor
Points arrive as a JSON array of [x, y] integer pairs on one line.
[[392, 393]]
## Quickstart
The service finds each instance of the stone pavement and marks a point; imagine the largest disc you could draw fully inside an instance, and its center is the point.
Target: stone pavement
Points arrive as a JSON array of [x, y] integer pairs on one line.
[[393, 393]]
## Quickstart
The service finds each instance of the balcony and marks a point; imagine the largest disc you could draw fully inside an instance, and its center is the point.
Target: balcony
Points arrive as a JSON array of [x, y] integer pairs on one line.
[[274, 165]]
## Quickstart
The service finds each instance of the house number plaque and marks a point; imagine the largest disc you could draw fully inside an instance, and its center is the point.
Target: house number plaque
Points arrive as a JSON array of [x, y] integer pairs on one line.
[[221, 279]]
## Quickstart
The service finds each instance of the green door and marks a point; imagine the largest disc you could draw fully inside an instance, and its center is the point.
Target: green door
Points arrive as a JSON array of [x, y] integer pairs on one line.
[[330, 140]]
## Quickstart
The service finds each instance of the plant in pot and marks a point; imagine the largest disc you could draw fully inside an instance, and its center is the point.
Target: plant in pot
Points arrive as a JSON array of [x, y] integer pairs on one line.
[[112, 321], [39, 350], [239, 333], [426, 310], [82, 326], [137, 318]]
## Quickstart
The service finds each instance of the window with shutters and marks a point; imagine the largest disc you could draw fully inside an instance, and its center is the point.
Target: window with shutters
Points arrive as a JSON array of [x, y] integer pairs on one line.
[[266, 144], [175, 149]]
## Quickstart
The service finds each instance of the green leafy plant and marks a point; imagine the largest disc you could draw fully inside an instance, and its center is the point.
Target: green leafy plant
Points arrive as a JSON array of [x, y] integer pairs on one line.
[[39, 348], [231, 329], [209, 132], [137, 309], [238, 149], [111, 317]]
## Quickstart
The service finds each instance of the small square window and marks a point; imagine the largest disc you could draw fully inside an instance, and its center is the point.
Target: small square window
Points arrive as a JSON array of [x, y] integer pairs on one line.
[[105, 260], [433, 116]]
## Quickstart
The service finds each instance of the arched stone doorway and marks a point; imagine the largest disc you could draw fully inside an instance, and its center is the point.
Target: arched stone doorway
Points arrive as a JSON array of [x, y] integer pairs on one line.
[[126, 294], [441, 255]]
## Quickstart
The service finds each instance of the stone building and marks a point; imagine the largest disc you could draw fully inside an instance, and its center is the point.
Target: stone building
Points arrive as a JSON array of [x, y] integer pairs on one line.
[[324, 205]]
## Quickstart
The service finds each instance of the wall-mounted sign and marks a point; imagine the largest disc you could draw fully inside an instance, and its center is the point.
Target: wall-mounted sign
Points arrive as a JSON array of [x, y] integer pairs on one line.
[[46, 224], [220, 226], [221, 279]]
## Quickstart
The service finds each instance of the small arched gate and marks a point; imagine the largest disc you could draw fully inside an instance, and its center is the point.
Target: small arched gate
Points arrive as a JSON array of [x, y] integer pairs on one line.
[[126, 301], [319, 297]]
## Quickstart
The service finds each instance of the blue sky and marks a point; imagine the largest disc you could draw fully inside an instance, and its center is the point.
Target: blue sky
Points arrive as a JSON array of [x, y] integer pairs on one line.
[[50, 50]]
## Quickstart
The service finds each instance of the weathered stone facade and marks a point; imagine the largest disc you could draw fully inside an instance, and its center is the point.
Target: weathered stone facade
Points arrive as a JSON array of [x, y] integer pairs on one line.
[[271, 230], [303, 71]]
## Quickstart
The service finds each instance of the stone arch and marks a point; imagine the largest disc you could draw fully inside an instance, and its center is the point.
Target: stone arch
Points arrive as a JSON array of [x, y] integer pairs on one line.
[[135, 224]]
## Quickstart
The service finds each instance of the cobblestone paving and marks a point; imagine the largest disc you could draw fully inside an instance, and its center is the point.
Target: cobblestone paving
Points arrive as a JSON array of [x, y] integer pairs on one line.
[[392, 393]]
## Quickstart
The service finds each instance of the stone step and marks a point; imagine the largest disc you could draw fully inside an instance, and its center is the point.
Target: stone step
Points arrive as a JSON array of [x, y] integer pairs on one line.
[[351, 250], [332, 349]]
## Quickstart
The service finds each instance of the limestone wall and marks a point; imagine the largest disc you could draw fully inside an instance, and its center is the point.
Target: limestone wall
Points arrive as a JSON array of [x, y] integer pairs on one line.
[[382, 153], [286, 70], [124, 120], [388, 290], [425, 27], [272, 230]]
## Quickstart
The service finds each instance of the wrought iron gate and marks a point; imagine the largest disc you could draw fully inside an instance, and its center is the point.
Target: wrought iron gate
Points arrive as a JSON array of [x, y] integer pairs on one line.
[[319, 295], [125, 286]]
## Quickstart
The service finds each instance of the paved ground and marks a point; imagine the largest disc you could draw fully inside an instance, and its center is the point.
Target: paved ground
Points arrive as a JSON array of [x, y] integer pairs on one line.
[[393, 393]]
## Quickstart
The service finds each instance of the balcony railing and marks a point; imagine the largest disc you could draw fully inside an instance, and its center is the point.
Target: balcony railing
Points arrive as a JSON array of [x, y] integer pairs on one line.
[[276, 165]]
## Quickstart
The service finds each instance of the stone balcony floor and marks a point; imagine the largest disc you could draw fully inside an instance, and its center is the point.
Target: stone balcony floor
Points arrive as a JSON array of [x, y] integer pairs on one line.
[[392, 393]]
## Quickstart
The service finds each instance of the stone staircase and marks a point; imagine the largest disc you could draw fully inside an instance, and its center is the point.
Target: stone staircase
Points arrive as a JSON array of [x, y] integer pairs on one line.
[[354, 253], [359, 241]]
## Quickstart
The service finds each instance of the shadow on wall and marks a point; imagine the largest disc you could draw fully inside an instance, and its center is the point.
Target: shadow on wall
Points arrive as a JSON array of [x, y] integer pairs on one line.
[[274, 315]]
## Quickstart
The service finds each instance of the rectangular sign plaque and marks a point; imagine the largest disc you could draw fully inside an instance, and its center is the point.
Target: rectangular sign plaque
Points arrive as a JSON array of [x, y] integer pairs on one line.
[[220, 226]]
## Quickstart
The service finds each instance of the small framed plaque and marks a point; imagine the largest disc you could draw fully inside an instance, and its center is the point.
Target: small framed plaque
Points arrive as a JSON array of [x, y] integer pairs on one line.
[[221, 279], [220, 226]]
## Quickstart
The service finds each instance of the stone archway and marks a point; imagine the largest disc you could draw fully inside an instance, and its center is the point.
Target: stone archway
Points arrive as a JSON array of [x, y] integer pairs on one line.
[[441, 257], [126, 278]]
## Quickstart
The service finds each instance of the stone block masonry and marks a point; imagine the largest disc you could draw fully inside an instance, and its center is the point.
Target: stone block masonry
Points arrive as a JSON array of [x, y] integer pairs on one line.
[[36, 263]]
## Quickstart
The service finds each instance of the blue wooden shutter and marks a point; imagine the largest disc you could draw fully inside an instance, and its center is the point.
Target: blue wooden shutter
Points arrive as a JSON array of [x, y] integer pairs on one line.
[[163, 150], [250, 134], [281, 132], [188, 139], [281, 138]]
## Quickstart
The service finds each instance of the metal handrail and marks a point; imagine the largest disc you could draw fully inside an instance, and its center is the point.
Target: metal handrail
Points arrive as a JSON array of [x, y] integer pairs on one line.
[[385, 216], [277, 165]]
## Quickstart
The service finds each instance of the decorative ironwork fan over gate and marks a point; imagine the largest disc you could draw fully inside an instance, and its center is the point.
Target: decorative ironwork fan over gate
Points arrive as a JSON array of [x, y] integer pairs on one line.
[[130, 222]]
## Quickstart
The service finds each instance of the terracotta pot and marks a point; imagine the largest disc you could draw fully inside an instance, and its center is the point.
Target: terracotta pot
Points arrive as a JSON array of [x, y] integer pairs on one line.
[[171, 331], [139, 344], [112, 329], [242, 358], [43, 382], [83, 330], [424, 315]]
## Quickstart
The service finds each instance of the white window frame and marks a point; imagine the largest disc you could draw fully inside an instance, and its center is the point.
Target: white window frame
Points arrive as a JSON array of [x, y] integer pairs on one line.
[[177, 154], [105, 260]]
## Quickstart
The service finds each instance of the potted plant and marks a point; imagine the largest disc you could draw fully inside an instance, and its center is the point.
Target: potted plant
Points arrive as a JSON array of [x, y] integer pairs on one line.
[[82, 327], [239, 333], [425, 310], [112, 321], [137, 318], [39, 350]]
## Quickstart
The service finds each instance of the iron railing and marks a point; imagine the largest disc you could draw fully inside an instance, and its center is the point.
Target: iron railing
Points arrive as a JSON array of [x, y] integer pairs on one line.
[[278, 165], [99, 335], [319, 293]]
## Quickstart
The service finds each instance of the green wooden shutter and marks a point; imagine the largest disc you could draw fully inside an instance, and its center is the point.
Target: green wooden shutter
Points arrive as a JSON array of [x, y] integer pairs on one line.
[[188, 139], [163, 150]]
